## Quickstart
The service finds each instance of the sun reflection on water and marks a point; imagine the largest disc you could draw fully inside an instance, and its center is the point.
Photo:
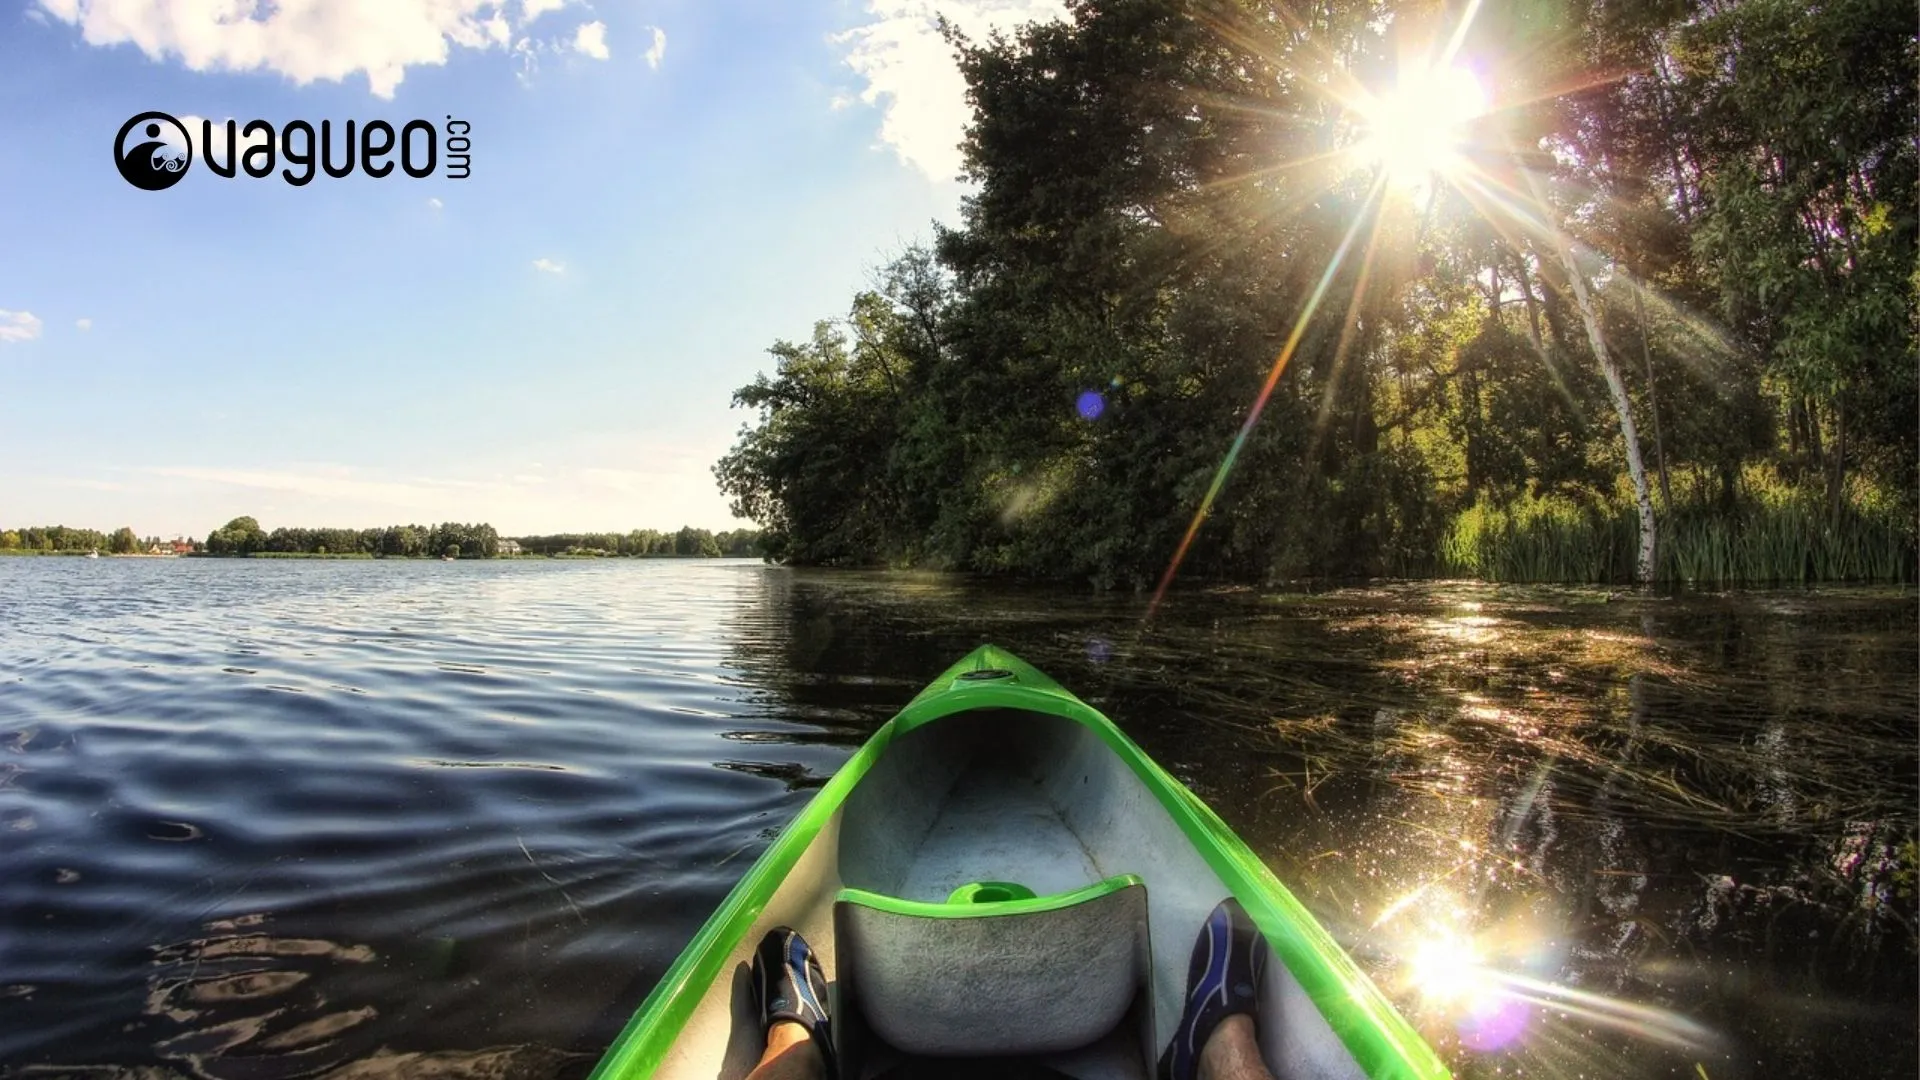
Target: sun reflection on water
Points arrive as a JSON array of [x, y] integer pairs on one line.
[[1487, 986]]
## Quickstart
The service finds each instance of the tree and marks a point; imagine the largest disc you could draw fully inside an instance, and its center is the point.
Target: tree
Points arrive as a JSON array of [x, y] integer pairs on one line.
[[241, 536], [124, 542], [812, 471], [1808, 229], [1177, 321]]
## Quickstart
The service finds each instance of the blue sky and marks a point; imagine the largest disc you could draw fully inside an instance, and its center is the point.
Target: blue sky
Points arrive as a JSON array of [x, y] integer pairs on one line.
[[660, 189]]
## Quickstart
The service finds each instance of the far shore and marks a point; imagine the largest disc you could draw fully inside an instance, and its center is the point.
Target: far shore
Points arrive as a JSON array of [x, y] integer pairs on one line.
[[348, 557], [83, 554]]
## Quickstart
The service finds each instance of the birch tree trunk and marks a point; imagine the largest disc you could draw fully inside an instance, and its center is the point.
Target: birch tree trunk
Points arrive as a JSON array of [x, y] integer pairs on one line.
[[1617, 388], [1653, 402]]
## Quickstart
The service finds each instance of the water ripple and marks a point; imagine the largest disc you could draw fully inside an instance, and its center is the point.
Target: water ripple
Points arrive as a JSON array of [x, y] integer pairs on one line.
[[370, 820]]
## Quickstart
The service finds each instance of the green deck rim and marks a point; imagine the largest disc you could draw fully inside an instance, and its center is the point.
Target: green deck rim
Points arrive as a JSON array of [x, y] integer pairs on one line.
[[1381, 1041], [1031, 905]]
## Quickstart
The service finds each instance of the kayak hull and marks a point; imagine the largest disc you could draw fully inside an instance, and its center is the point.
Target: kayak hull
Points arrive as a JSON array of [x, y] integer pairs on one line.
[[996, 774]]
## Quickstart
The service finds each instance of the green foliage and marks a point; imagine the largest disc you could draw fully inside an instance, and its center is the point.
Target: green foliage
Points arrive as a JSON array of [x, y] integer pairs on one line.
[[55, 539], [244, 536], [1809, 228], [813, 472], [1773, 533], [241, 536], [1154, 207], [688, 541]]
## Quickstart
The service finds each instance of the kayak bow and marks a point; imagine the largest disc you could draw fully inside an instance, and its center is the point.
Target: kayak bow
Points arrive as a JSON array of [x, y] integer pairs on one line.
[[998, 818]]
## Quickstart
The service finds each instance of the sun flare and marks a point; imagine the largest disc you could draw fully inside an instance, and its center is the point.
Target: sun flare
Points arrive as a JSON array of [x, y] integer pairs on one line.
[[1415, 130], [1446, 970]]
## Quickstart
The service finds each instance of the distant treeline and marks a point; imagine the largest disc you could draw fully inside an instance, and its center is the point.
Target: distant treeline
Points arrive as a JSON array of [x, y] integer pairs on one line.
[[59, 538], [244, 536], [735, 543]]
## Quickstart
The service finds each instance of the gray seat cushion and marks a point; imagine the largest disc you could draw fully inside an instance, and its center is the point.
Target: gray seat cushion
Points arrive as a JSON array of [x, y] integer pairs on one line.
[[1015, 977]]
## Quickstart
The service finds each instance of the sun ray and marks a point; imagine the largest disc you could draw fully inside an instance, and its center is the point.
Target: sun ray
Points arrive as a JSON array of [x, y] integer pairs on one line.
[[1351, 324], [1303, 39], [1328, 159], [1260, 403], [1645, 1021], [1391, 911], [1436, 129], [1518, 215], [1459, 37]]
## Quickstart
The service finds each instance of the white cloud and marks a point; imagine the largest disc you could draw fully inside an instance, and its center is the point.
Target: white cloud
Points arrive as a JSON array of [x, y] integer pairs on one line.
[[591, 39], [193, 125], [434, 203], [533, 9], [548, 266], [304, 40], [83, 324], [657, 51], [99, 485], [527, 51], [910, 73], [196, 127], [18, 326], [332, 482]]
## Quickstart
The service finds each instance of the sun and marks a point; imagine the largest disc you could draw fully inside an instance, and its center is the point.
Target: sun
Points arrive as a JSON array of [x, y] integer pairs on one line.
[[1415, 130], [1445, 969]]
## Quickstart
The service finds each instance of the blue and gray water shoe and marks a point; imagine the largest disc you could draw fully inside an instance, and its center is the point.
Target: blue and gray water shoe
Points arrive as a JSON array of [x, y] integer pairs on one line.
[[1223, 978], [788, 985]]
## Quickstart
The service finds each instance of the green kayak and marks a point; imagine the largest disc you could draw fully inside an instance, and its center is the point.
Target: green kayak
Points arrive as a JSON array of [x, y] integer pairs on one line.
[[1001, 872]]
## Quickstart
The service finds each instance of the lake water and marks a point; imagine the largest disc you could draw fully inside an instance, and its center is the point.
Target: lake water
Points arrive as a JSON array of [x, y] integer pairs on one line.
[[266, 820]]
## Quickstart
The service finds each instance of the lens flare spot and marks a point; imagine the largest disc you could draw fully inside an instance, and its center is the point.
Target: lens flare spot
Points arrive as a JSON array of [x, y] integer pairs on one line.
[[1090, 404], [1495, 1025], [1099, 650]]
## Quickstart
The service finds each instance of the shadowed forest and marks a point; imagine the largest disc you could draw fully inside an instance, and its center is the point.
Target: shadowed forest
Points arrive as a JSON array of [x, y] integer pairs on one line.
[[1542, 291]]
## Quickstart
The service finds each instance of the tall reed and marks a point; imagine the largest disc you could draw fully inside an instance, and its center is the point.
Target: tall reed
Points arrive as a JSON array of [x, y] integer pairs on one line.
[[1772, 533]]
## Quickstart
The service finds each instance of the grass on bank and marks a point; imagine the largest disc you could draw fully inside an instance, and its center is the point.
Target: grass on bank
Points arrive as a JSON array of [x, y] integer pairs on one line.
[[1774, 533]]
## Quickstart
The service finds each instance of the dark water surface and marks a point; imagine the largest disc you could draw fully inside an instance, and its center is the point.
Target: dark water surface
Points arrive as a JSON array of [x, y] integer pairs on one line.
[[264, 820]]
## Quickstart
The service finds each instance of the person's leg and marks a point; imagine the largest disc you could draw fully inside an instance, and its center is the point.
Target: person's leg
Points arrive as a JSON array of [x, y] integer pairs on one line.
[[1233, 1052], [790, 1055], [791, 992], [1223, 997]]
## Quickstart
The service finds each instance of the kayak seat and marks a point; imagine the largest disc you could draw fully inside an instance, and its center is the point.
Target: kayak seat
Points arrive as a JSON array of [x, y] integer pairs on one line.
[[992, 971]]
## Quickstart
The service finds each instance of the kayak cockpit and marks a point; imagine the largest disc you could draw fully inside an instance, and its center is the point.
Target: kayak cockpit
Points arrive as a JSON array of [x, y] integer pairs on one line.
[[1000, 795]]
